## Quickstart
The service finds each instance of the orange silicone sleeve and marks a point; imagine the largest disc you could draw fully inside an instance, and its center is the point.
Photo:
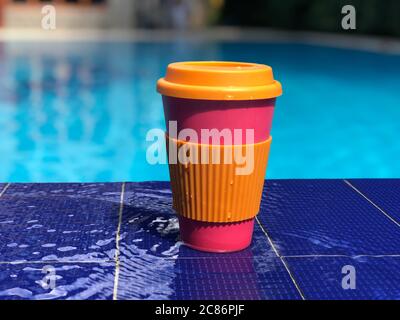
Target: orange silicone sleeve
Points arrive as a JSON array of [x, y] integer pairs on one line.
[[215, 192]]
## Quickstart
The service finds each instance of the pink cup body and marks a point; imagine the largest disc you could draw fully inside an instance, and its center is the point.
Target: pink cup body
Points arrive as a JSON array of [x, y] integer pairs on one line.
[[221, 114], [216, 237]]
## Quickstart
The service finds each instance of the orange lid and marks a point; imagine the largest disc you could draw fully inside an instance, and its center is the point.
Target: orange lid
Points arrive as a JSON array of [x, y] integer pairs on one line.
[[219, 80]]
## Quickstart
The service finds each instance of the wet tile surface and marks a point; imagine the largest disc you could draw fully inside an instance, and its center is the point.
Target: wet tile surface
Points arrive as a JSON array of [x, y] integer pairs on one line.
[[183, 273], [57, 281], [326, 277], [316, 227], [383, 192], [58, 222], [155, 265], [314, 217]]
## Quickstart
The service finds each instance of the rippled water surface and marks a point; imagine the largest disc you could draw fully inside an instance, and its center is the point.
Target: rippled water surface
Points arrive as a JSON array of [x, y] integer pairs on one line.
[[80, 111]]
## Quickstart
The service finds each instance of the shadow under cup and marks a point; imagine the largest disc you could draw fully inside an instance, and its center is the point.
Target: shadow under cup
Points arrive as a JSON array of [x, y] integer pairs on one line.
[[228, 106]]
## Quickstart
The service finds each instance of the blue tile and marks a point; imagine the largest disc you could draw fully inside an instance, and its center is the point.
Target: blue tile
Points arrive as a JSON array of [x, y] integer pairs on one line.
[[54, 223], [72, 281], [59, 222], [155, 265], [324, 217], [383, 192], [321, 278]]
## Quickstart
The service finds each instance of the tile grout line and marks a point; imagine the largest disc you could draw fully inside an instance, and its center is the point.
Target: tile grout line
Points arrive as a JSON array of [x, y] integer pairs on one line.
[[282, 259], [117, 239], [269, 239], [371, 202], [4, 189]]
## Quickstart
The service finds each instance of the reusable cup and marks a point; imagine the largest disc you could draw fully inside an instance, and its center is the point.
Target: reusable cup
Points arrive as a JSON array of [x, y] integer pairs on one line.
[[222, 104]]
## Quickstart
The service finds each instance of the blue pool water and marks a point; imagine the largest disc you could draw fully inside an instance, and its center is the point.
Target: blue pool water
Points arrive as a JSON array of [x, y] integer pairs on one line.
[[81, 111]]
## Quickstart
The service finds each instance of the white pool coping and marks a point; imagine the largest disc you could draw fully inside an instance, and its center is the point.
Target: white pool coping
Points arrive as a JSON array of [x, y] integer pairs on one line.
[[348, 41]]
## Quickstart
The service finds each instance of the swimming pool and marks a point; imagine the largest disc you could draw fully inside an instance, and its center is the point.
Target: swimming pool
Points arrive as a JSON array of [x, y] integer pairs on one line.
[[78, 111]]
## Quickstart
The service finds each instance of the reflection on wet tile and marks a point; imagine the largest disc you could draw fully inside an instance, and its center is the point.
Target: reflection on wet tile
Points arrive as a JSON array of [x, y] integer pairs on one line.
[[324, 217], [59, 222], [247, 278], [71, 281], [240, 276], [322, 278], [254, 273], [155, 265]]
